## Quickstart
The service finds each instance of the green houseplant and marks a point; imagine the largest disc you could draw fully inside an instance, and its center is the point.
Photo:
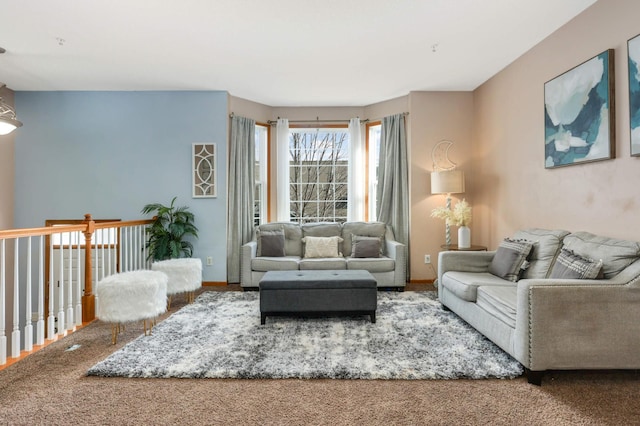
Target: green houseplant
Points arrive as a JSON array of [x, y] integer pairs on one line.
[[168, 231]]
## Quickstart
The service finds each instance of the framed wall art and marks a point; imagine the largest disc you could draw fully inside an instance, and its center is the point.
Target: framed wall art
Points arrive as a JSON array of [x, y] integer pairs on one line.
[[204, 170], [633, 49], [579, 113]]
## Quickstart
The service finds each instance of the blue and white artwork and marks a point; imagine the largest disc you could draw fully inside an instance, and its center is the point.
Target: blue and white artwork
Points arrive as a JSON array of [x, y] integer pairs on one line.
[[633, 46], [578, 112]]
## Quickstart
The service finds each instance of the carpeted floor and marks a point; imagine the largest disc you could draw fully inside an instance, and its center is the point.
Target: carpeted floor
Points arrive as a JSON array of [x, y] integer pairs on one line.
[[220, 336], [50, 388]]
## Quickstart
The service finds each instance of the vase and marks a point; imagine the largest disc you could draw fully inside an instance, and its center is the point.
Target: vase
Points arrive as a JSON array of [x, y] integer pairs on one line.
[[464, 237]]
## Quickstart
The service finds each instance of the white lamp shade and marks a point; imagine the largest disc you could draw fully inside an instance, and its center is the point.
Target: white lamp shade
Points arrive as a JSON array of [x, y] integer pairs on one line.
[[7, 126], [447, 182]]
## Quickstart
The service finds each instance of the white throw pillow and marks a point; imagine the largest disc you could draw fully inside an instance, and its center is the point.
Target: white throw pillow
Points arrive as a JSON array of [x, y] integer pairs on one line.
[[321, 246]]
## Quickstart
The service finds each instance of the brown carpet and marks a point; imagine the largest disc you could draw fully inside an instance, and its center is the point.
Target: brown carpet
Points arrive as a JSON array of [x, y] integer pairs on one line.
[[50, 387]]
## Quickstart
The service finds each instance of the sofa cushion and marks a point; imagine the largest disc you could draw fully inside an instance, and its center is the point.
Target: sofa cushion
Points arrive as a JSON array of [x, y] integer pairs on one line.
[[323, 263], [615, 254], [546, 247], [362, 246], [499, 301], [465, 284], [321, 246], [321, 229], [365, 229], [265, 264], [271, 243], [510, 258], [573, 266], [292, 236], [371, 264]]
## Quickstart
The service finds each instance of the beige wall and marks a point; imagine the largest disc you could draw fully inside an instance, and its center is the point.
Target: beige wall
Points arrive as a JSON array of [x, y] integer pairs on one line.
[[512, 188], [7, 170]]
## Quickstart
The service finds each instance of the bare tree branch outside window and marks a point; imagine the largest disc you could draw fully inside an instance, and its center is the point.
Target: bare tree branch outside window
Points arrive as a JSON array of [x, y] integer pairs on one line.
[[318, 161]]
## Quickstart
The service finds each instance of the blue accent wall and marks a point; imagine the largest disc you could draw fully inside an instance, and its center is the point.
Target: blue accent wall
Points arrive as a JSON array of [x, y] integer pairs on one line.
[[110, 153]]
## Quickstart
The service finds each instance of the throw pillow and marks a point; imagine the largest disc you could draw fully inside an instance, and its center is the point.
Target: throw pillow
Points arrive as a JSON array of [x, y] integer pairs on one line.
[[321, 247], [510, 259], [365, 246], [573, 266], [271, 243]]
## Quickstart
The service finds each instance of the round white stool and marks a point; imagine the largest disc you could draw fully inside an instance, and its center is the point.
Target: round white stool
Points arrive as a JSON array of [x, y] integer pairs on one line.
[[131, 296], [185, 276]]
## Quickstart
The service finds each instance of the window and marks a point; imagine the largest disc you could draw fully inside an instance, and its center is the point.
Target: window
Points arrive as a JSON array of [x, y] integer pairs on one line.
[[261, 174], [373, 149], [318, 171]]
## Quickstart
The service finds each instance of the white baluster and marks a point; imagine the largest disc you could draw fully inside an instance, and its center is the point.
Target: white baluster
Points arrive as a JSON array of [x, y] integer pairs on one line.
[[61, 319], [51, 332], [28, 328], [40, 324], [3, 272], [79, 280], [70, 325], [15, 335]]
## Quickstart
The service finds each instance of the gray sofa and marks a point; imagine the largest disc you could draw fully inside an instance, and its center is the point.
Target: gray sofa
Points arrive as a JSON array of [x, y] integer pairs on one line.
[[552, 323], [387, 265]]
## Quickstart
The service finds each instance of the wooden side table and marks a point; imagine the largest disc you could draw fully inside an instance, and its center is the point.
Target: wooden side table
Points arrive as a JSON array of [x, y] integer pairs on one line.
[[454, 247]]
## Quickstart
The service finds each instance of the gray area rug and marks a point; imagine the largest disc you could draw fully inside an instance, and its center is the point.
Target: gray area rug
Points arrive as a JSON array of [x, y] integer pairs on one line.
[[220, 336]]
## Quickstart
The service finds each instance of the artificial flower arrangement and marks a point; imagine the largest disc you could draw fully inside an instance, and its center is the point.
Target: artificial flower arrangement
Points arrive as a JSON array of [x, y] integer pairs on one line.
[[459, 216]]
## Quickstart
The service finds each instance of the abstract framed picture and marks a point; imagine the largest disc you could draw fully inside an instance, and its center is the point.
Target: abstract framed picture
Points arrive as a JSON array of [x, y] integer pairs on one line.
[[579, 113], [204, 170], [633, 50]]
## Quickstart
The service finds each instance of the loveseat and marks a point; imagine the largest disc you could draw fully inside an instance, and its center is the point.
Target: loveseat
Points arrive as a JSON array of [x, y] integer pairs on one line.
[[571, 301], [283, 246]]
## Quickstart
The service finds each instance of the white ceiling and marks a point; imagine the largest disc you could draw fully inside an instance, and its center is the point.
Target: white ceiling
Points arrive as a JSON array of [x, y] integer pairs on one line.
[[276, 52]]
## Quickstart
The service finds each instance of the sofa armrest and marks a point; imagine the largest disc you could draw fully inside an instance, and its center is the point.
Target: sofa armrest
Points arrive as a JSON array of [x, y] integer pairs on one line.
[[397, 251], [577, 324], [464, 261], [248, 251]]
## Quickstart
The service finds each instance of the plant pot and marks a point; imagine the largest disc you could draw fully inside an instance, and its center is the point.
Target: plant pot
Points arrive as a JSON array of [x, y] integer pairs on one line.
[[464, 237]]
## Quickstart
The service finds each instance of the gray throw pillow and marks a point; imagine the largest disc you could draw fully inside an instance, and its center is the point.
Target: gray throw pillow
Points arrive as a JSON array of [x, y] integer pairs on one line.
[[271, 243], [510, 259], [365, 246], [573, 266]]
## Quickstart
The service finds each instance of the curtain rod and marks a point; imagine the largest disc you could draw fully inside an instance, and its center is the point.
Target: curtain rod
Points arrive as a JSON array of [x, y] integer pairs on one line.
[[317, 120]]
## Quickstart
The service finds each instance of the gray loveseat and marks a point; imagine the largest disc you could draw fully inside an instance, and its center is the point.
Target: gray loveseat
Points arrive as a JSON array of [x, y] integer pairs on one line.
[[552, 323], [366, 246]]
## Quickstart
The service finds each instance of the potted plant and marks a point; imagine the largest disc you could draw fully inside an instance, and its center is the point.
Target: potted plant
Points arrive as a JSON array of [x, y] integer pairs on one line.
[[167, 232]]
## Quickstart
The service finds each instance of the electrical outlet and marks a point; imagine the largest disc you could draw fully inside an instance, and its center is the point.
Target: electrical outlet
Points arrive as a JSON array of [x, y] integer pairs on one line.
[[209, 260], [427, 258]]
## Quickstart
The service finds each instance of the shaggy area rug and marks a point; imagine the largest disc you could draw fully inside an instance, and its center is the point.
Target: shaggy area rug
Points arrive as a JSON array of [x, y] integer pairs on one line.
[[220, 336]]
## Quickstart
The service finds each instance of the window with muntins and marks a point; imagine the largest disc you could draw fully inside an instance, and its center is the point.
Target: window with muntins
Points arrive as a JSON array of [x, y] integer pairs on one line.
[[319, 164]]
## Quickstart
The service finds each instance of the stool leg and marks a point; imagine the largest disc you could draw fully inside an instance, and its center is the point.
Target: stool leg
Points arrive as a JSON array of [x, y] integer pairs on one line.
[[169, 303], [114, 334]]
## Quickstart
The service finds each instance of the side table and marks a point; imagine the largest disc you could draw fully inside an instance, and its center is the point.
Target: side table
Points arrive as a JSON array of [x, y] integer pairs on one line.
[[454, 247]]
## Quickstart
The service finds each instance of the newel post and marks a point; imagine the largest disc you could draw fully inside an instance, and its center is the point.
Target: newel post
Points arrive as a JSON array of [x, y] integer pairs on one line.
[[88, 299]]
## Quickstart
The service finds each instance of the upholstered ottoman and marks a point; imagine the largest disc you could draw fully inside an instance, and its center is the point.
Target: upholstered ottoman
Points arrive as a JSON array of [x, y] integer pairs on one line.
[[131, 296], [185, 276], [346, 292]]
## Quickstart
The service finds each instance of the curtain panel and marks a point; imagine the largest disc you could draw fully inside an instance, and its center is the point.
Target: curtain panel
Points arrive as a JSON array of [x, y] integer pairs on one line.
[[241, 192], [357, 161], [283, 207], [393, 179]]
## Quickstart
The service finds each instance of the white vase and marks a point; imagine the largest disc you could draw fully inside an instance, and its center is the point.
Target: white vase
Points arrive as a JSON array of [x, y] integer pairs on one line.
[[464, 237]]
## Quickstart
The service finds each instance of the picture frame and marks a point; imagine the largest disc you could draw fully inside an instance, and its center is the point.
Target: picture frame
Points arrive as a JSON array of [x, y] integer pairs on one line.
[[204, 170], [633, 55], [579, 113]]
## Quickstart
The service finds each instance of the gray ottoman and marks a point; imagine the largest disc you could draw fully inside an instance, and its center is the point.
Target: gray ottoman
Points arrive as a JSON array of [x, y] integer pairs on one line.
[[344, 292]]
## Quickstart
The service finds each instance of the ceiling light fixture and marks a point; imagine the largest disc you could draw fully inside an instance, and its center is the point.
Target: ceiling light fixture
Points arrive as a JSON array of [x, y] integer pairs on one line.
[[8, 121]]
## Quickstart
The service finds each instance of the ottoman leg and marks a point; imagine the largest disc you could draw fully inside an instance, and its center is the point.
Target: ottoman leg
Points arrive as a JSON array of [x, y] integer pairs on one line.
[[263, 318], [373, 317]]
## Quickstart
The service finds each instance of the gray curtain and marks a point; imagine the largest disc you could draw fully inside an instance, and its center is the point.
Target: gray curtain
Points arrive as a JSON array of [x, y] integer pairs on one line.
[[393, 179], [242, 153]]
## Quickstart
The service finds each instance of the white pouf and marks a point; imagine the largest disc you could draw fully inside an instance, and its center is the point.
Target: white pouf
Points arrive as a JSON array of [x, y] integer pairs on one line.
[[131, 296], [185, 275]]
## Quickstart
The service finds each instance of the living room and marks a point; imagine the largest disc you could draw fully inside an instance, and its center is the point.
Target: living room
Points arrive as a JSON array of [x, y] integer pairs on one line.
[[107, 153]]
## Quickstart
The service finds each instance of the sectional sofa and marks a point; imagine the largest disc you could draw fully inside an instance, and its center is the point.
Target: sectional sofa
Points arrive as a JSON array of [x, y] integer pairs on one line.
[[283, 246], [553, 300]]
